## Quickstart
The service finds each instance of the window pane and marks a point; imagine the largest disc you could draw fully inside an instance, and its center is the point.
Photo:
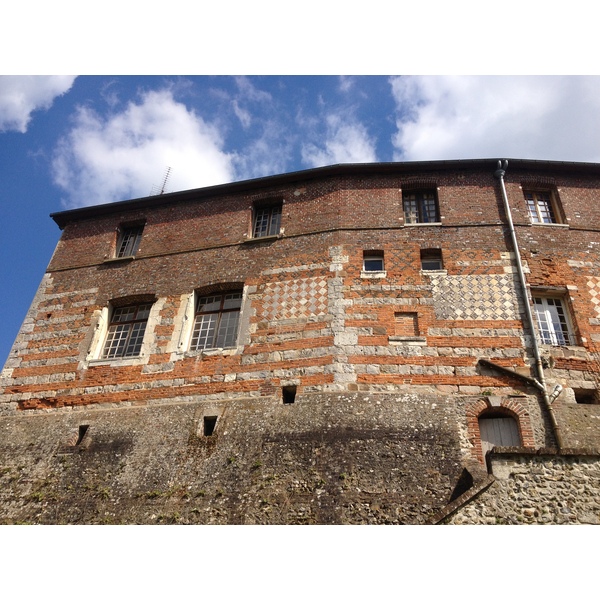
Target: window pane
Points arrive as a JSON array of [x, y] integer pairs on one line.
[[429, 209], [411, 214], [373, 264], [539, 206], [204, 331], [209, 304], [136, 337], [126, 331], [261, 222], [227, 330], [420, 207], [267, 221], [130, 241], [115, 341], [216, 322], [552, 321], [232, 301], [275, 220]]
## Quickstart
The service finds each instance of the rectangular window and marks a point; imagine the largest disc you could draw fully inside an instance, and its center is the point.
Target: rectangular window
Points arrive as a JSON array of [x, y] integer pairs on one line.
[[431, 259], [553, 321], [420, 206], [216, 323], [129, 241], [541, 207], [126, 331], [373, 260], [267, 221]]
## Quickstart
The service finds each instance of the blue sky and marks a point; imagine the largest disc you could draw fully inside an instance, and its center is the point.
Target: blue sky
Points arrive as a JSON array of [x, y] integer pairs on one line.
[[67, 142]]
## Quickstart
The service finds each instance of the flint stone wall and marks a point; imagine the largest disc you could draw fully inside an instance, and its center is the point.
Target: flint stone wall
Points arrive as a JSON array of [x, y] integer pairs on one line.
[[545, 488], [326, 458]]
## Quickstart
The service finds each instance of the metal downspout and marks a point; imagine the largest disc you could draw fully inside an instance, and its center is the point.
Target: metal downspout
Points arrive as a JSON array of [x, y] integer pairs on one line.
[[540, 381]]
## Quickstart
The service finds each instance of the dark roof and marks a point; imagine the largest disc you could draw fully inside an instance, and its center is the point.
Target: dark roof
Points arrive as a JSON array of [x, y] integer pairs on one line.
[[64, 217]]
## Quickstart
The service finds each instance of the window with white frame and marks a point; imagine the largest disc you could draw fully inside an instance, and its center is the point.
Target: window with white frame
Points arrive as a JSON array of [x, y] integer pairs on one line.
[[126, 331], [431, 259], [541, 206], [373, 260], [267, 220], [420, 206], [216, 322], [129, 240], [553, 321]]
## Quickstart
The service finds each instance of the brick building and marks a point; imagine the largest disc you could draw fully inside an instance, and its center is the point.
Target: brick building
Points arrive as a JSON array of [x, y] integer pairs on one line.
[[378, 343]]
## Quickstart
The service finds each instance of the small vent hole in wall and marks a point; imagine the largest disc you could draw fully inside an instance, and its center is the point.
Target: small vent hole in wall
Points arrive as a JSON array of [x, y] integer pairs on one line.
[[289, 394], [583, 396], [209, 425], [83, 429]]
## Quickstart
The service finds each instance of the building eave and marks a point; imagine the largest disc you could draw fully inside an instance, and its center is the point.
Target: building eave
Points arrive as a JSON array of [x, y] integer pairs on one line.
[[62, 218]]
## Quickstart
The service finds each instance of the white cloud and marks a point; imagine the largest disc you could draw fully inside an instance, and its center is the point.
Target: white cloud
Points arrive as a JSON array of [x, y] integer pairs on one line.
[[346, 141], [22, 95], [548, 118], [250, 92], [126, 154], [242, 114], [267, 154]]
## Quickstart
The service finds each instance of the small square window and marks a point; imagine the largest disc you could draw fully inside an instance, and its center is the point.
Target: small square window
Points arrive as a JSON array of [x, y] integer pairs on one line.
[[373, 260], [267, 220], [542, 206], [129, 240], [126, 331], [420, 206], [554, 323], [431, 259]]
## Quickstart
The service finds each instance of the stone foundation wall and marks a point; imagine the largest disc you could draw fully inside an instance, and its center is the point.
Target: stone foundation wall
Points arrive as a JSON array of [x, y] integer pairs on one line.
[[339, 458], [537, 489]]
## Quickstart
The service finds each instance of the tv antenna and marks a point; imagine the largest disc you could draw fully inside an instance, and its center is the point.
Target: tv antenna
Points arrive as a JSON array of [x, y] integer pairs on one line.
[[163, 188]]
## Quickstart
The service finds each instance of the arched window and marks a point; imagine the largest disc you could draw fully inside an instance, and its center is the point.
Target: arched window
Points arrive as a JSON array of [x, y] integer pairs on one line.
[[498, 429], [216, 321]]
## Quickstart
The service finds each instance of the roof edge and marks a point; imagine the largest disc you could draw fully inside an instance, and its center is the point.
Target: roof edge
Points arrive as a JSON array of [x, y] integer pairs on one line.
[[63, 217]]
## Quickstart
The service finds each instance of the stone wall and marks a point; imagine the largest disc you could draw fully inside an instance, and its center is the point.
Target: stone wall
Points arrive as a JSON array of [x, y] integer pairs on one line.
[[543, 488], [337, 458]]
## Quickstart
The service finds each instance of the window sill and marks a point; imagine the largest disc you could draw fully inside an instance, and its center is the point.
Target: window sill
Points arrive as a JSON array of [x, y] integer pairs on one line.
[[560, 225], [435, 224], [434, 272], [129, 361], [119, 259], [408, 340], [373, 274], [264, 238], [229, 351]]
